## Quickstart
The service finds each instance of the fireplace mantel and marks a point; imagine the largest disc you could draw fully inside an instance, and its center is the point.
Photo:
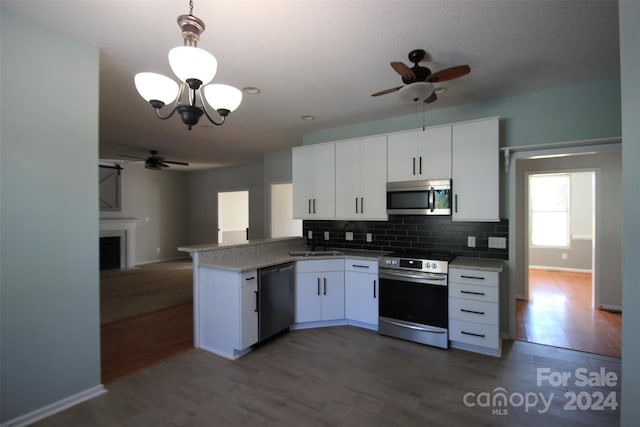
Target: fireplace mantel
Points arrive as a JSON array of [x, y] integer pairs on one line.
[[123, 227]]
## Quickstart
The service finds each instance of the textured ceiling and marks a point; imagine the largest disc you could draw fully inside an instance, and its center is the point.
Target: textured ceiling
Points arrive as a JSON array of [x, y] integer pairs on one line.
[[324, 58]]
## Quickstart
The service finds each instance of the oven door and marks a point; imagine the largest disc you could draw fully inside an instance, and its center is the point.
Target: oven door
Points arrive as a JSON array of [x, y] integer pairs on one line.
[[414, 297]]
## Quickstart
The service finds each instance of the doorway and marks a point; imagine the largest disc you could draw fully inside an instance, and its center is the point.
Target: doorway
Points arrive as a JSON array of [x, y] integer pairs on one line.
[[566, 283], [233, 217], [282, 222]]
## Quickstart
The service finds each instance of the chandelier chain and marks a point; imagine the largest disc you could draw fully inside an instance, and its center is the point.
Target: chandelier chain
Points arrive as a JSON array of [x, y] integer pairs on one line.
[[190, 7]]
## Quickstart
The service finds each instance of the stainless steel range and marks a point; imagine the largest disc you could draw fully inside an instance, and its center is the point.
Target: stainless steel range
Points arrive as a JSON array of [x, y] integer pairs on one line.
[[414, 297]]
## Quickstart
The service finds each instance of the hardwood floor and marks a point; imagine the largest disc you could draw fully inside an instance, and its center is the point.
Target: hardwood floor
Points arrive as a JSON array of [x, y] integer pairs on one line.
[[559, 314], [146, 316], [346, 376]]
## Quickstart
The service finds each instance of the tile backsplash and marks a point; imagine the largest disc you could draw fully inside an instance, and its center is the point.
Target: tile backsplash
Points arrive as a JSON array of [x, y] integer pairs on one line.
[[405, 232]]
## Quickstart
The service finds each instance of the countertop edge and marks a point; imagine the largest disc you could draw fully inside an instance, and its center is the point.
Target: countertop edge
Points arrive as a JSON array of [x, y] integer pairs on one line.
[[483, 264]]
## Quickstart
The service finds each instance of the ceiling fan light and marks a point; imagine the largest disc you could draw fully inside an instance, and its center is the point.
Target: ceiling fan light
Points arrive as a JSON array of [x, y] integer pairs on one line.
[[416, 92], [153, 86], [223, 97], [188, 62]]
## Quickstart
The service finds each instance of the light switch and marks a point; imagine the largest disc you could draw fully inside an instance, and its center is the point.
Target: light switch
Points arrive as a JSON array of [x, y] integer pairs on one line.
[[348, 235], [326, 235], [498, 242], [369, 237], [471, 241], [309, 234]]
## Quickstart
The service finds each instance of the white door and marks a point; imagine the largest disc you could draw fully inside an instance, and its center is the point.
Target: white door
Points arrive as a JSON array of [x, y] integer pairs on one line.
[[233, 217], [282, 222]]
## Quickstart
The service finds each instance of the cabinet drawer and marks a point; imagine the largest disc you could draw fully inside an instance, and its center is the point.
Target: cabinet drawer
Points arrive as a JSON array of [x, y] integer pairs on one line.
[[473, 292], [361, 265], [320, 265], [473, 311], [473, 277], [249, 278], [474, 333]]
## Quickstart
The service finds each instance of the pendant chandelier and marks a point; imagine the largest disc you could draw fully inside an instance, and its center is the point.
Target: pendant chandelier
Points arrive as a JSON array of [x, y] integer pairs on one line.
[[195, 68]]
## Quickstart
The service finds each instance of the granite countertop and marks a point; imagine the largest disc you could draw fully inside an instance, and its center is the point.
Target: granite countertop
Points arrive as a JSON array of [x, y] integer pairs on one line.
[[216, 246], [242, 262], [485, 264]]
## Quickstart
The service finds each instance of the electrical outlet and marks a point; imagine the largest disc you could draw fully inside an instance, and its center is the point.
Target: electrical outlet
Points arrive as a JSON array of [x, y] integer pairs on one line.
[[564, 255], [348, 235], [498, 242], [471, 241], [326, 235], [369, 237], [309, 234], [157, 250]]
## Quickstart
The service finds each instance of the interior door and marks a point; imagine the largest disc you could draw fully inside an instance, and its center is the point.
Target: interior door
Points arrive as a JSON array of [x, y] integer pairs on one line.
[[233, 217]]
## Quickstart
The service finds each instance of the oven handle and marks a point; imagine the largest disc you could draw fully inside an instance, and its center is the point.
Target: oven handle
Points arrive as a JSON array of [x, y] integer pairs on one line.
[[406, 277], [418, 328]]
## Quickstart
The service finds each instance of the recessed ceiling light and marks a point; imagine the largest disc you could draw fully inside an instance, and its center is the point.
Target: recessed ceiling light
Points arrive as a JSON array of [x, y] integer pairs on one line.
[[440, 90], [308, 117], [251, 90]]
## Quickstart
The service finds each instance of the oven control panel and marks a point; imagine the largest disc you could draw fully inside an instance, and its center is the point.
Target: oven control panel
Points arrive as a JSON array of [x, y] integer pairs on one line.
[[429, 266]]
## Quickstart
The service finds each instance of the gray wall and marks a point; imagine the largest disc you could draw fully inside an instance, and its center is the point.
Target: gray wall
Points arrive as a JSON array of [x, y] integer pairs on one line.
[[49, 311], [203, 188], [159, 200], [629, 12], [277, 170]]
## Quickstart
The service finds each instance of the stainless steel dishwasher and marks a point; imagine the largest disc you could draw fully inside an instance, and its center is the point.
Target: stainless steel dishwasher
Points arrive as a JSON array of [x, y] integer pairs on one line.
[[276, 300]]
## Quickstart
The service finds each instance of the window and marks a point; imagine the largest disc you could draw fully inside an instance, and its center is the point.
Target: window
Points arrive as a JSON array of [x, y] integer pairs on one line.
[[549, 210]]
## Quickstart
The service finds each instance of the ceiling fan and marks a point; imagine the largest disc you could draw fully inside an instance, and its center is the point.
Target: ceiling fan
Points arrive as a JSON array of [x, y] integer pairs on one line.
[[156, 162], [418, 79]]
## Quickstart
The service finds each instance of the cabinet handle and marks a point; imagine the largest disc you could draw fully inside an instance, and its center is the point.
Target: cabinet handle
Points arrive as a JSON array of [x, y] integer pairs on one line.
[[314, 205], [257, 301], [325, 285], [420, 165], [361, 205], [464, 310], [472, 277], [374, 289], [356, 205], [359, 266], [456, 203], [414, 165], [309, 205], [250, 278], [473, 293], [318, 286], [472, 334]]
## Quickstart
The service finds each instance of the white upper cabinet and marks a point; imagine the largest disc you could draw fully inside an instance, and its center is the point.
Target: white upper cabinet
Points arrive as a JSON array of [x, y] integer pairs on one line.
[[475, 171], [314, 181], [420, 154], [361, 176]]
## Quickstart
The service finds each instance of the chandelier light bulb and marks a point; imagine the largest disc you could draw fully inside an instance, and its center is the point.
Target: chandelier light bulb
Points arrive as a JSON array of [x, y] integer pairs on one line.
[[188, 62], [156, 87], [223, 97]]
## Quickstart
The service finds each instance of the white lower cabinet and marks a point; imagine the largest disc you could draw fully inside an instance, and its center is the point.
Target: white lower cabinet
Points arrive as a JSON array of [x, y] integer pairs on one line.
[[319, 290], [361, 291], [227, 320], [474, 312]]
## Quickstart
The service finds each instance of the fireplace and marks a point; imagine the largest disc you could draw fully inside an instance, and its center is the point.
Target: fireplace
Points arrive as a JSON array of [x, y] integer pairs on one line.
[[109, 253], [121, 230]]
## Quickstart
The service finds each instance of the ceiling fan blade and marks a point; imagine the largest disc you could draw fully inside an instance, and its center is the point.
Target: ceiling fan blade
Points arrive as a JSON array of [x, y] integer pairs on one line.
[[176, 163], [403, 70], [433, 97], [386, 91], [164, 165], [449, 73]]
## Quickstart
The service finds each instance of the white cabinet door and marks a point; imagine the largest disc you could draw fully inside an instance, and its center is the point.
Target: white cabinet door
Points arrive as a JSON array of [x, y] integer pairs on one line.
[[361, 297], [373, 178], [475, 171], [434, 153], [402, 150], [308, 301], [332, 295], [347, 179], [248, 309], [361, 177], [313, 173]]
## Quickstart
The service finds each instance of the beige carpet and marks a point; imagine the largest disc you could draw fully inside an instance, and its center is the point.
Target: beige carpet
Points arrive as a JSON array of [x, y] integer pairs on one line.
[[151, 287]]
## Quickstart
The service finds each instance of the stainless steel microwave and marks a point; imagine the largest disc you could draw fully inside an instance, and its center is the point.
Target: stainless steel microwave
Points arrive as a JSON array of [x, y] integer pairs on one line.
[[424, 197]]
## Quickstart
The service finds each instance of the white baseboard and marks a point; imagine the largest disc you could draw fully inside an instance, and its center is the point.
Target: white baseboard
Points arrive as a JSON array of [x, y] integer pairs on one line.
[[55, 407], [574, 270], [610, 307]]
